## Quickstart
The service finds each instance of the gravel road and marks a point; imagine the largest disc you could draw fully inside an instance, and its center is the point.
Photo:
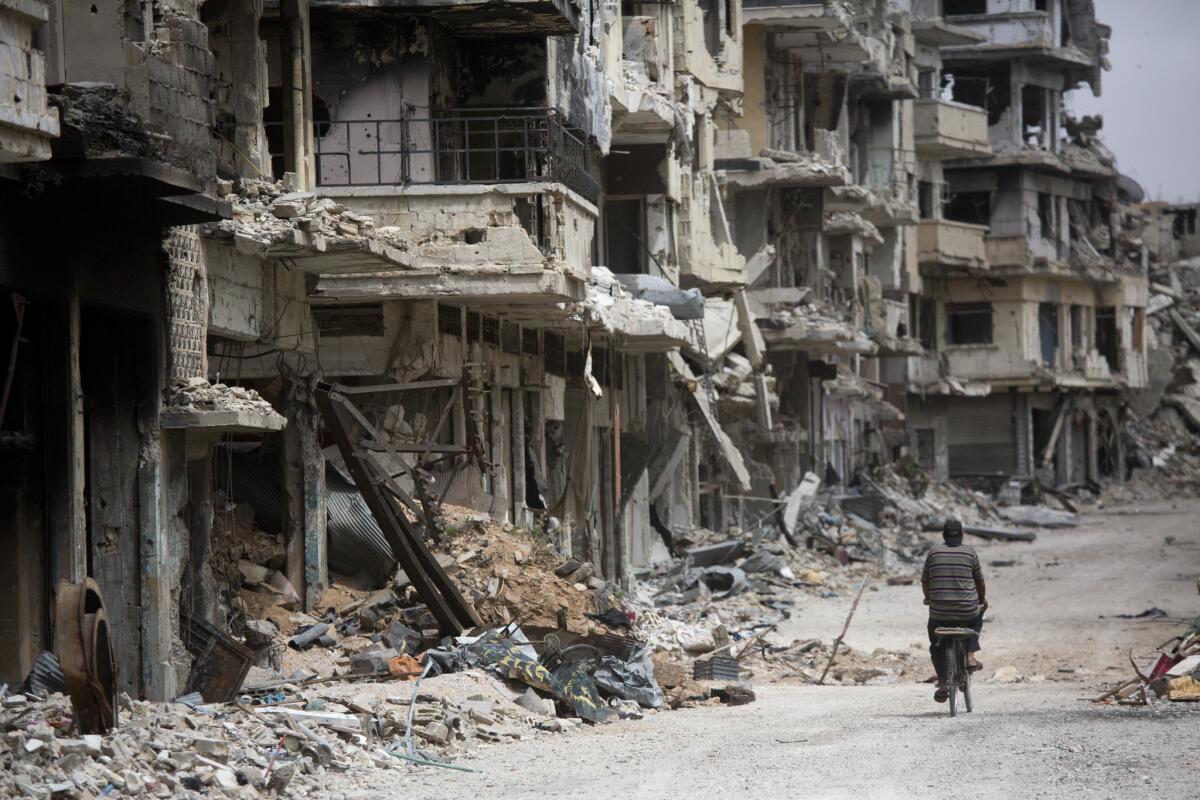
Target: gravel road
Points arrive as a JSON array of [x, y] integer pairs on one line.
[[1052, 620]]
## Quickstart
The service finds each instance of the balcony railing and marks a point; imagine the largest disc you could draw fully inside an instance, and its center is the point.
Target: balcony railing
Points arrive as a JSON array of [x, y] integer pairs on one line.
[[455, 146], [780, 3]]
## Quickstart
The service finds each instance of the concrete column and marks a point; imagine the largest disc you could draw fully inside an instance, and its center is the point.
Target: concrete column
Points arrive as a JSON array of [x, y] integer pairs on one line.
[[1093, 447], [304, 495], [517, 411], [162, 500], [297, 94]]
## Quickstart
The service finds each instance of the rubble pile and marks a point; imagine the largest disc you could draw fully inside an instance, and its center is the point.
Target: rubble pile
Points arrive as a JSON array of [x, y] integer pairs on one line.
[[269, 212], [1163, 426], [514, 575], [100, 115], [283, 738], [197, 394]]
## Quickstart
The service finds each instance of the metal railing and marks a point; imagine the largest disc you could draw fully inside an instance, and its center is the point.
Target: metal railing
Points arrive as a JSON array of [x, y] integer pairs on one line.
[[456, 146], [780, 3]]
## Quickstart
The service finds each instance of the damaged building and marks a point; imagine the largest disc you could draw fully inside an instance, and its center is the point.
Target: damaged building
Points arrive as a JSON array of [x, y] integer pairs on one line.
[[1033, 307], [461, 238], [607, 272]]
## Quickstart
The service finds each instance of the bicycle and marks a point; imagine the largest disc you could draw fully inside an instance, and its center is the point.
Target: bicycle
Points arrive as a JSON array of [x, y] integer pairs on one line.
[[958, 677]]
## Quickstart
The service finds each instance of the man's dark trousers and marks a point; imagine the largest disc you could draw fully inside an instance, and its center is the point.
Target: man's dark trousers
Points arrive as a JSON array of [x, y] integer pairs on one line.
[[935, 648]]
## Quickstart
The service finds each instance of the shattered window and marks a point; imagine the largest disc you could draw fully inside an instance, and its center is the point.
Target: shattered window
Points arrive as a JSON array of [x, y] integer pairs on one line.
[[1106, 336], [962, 8], [1046, 216], [968, 323], [974, 208]]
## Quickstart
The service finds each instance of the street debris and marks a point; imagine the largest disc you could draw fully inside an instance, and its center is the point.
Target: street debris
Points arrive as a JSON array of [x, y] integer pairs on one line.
[[1174, 674]]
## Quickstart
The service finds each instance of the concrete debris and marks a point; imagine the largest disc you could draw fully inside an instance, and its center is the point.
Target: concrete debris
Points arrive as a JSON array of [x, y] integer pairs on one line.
[[267, 214], [197, 394], [306, 742]]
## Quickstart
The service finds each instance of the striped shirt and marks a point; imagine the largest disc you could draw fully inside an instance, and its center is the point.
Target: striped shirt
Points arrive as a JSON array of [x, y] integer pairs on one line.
[[951, 573]]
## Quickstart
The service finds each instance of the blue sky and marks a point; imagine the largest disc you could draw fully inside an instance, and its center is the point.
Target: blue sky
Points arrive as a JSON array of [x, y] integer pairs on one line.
[[1151, 97]]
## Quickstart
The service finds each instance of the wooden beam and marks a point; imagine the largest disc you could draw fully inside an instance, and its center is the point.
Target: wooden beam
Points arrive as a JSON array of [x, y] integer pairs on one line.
[[666, 461], [1048, 453], [74, 564], [1188, 331]]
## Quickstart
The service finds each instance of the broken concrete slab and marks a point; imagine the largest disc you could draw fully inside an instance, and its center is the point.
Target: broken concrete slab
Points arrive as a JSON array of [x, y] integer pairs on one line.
[[1039, 516]]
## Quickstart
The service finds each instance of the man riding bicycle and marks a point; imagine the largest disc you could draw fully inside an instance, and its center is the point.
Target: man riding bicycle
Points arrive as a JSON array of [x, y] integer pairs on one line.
[[956, 595]]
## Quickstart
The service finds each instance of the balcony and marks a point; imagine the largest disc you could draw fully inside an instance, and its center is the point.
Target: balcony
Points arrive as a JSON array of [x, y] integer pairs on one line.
[[456, 147], [792, 13], [478, 18], [950, 130], [945, 245], [26, 124], [1027, 32]]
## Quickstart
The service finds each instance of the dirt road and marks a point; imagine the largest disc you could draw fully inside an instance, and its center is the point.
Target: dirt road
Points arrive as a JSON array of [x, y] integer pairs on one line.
[[1052, 619]]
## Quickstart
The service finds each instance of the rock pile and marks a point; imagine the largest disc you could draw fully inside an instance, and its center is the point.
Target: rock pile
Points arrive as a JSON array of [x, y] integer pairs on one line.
[[270, 212], [197, 394]]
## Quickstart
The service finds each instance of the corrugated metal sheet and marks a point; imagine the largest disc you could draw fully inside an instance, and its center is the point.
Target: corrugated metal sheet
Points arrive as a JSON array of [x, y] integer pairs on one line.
[[356, 544], [982, 436]]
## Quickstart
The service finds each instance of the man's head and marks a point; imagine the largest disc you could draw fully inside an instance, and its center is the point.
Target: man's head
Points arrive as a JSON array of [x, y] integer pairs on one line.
[[952, 532]]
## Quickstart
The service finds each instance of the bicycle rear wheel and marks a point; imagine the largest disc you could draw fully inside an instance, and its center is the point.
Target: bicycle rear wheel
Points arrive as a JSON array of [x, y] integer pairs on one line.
[[952, 668], [967, 690]]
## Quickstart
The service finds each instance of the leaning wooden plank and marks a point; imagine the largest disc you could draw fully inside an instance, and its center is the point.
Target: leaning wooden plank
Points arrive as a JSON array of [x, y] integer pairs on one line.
[[1187, 330], [446, 603], [733, 456]]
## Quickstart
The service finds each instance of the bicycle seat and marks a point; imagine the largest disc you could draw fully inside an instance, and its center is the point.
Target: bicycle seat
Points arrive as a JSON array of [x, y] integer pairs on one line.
[[954, 633]]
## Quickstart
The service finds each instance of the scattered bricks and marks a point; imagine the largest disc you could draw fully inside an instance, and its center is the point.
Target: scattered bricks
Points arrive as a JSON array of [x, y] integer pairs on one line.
[[280, 777], [480, 711], [81, 746], [226, 779], [212, 748], [252, 776], [434, 732], [14, 700], [372, 661], [402, 638], [487, 734], [133, 782], [533, 702]]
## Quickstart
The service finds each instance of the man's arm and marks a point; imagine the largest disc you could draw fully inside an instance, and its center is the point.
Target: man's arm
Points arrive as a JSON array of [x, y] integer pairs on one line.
[[980, 586], [925, 580], [981, 589]]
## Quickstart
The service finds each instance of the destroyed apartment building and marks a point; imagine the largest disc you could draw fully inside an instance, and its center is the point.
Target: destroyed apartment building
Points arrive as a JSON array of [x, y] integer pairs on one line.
[[310, 272]]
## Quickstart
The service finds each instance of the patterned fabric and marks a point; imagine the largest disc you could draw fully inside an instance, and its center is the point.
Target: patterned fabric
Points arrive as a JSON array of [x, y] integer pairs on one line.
[[951, 572]]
